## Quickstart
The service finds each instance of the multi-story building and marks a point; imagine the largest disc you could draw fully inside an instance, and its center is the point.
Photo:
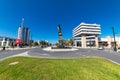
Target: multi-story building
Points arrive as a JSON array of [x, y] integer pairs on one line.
[[6, 41], [86, 35], [24, 33]]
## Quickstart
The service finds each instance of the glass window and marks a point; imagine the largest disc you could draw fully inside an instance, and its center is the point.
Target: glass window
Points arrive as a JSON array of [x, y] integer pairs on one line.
[[79, 44], [1, 39]]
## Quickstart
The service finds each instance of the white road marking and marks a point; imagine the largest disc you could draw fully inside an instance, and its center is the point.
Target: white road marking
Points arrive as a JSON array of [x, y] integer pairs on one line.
[[45, 54], [22, 54]]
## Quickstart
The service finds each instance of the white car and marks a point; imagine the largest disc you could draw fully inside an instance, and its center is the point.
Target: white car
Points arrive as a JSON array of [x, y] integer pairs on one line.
[[101, 48]]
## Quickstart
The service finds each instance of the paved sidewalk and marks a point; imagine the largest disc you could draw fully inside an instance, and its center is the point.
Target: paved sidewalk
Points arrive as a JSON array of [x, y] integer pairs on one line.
[[17, 48]]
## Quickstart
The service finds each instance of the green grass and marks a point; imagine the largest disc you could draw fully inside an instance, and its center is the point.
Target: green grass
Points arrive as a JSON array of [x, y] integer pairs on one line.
[[59, 69]]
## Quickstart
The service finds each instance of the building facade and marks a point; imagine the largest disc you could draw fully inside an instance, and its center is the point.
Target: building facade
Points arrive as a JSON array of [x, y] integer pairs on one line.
[[24, 33], [6, 41], [108, 41], [86, 35]]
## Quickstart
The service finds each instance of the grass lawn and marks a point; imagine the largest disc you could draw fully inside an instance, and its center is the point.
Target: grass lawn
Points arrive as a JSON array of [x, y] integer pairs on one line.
[[58, 69]]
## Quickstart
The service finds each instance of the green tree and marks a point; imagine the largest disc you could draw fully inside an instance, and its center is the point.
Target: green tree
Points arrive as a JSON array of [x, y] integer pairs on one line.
[[70, 41], [43, 42], [36, 44]]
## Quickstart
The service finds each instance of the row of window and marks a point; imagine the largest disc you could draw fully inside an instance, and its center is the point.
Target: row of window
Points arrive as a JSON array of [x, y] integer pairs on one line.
[[86, 28], [88, 43], [87, 31], [90, 38]]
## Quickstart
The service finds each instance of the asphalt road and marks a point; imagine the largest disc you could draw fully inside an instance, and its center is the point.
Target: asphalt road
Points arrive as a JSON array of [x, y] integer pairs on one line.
[[38, 52], [8, 53]]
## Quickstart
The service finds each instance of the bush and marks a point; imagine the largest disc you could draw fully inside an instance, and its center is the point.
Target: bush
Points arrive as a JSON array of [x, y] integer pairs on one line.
[[118, 47]]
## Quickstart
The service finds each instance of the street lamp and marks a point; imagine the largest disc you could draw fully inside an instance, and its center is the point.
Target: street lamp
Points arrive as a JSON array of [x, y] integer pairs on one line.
[[115, 49]]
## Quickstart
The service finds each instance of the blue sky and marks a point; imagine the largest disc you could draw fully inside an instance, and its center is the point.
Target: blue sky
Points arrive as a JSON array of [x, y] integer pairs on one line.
[[43, 16]]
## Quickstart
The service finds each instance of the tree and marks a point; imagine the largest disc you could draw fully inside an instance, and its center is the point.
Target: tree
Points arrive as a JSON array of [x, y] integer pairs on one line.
[[70, 41], [43, 42], [64, 42], [36, 44]]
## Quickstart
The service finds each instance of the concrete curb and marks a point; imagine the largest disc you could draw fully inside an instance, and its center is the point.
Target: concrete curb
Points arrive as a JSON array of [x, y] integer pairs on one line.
[[49, 49]]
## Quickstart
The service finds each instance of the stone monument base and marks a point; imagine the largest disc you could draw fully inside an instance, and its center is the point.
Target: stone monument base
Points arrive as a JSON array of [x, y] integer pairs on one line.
[[61, 47]]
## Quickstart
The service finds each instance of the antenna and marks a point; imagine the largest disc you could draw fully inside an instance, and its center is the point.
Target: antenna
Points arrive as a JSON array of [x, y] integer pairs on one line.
[[22, 24]]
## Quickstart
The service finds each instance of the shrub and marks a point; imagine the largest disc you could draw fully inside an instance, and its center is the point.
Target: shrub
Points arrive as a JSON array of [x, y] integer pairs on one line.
[[118, 47]]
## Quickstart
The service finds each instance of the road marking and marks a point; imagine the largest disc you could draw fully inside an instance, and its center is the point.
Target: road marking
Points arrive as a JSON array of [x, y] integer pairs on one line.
[[22, 54], [45, 54], [25, 54]]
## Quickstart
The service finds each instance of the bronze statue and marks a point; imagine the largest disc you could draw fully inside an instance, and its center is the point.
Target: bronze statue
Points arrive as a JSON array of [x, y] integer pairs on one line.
[[59, 29], [60, 37]]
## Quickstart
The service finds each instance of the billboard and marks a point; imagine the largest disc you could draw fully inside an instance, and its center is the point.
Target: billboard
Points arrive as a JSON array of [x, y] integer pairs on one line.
[[18, 41]]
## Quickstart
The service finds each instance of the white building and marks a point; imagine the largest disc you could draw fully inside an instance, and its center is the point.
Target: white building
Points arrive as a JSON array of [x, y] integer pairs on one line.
[[6, 41], [109, 41], [86, 35]]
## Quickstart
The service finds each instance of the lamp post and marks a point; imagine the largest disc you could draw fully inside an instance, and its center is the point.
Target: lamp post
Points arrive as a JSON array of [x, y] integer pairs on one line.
[[115, 49], [31, 41]]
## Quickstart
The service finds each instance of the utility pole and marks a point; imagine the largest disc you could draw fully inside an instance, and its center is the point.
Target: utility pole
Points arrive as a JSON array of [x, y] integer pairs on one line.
[[31, 40], [115, 49]]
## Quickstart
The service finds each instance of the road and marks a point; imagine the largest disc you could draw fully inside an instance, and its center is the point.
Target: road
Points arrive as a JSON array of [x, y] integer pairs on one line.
[[8, 53], [38, 52]]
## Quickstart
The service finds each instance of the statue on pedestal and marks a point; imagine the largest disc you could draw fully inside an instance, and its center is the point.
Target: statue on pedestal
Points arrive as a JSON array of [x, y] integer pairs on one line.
[[60, 37]]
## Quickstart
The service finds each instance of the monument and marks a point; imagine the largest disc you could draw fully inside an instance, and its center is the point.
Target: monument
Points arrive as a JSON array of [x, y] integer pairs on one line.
[[60, 44]]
